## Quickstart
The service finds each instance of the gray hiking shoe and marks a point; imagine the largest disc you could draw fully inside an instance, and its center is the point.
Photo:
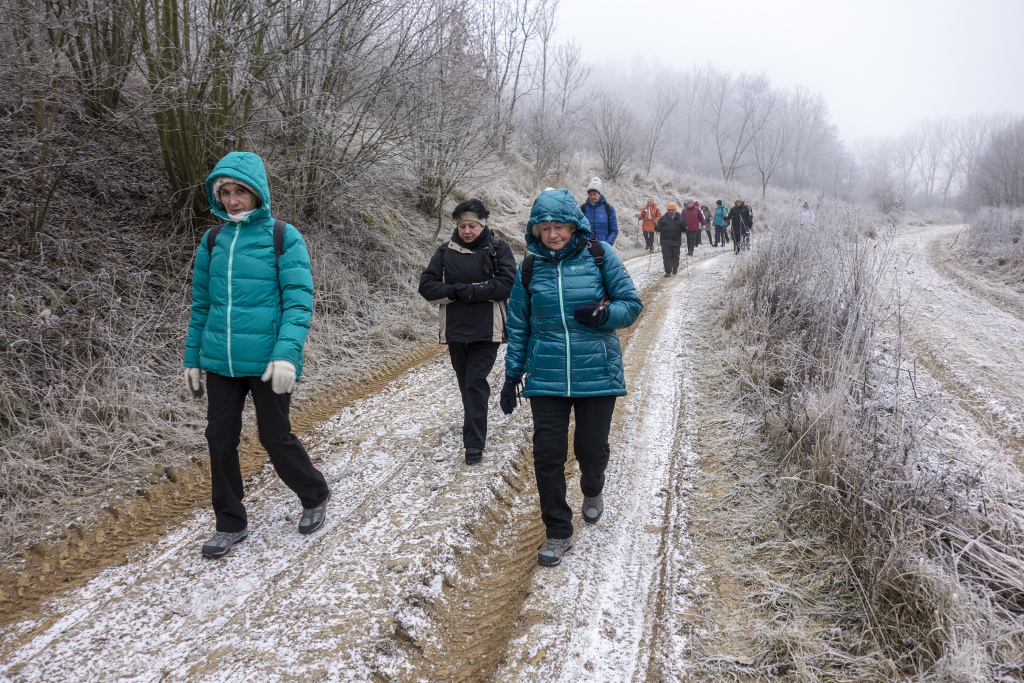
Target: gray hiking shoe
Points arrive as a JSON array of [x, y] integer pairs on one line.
[[593, 508], [551, 554], [314, 518], [222, 541]]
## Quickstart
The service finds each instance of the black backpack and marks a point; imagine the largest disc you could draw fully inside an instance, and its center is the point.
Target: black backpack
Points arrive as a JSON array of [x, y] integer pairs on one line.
[[593, 245], [279, 226]]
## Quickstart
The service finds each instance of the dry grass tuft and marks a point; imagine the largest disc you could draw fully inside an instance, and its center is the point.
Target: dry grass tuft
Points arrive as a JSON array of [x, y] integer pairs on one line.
[[996, 241]]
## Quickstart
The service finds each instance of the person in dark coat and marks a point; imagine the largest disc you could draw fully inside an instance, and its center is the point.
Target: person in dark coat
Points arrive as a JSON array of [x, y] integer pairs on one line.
[[742, 220], [671, 228], [600, 213], [471, 278]]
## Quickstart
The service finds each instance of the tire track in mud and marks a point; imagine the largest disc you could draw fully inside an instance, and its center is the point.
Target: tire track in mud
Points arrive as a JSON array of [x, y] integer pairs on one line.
[[483, 626], [422, 573], [69, 560]]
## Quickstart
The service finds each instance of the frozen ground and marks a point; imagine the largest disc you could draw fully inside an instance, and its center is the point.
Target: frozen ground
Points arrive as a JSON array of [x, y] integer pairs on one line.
[[426, 570]]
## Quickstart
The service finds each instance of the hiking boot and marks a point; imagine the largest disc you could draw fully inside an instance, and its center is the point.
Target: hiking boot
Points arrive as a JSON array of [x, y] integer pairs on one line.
[[668, 274], [593, 508], [314, 518], [474, 456], [222, 541], [551, 554]]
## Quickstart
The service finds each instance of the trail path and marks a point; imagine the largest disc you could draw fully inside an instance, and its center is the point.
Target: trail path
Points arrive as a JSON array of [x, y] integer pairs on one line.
[[967, 331], [426, 570]]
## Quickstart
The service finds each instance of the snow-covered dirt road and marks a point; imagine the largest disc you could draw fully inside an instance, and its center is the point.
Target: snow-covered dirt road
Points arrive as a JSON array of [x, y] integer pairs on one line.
[[426, 569], [966, 330]]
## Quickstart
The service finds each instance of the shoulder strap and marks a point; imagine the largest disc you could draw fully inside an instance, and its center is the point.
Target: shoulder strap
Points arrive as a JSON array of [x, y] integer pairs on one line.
[[527, 273], [279, 227], [596, 250], [608, 209], [211, 239]]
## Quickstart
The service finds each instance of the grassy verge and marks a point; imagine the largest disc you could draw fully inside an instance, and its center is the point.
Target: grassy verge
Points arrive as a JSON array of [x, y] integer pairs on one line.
[[896, 551]]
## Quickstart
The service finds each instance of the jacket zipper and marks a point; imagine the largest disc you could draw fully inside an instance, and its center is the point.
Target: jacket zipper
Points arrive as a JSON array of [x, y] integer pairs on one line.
[[568, 351], [231, 261]]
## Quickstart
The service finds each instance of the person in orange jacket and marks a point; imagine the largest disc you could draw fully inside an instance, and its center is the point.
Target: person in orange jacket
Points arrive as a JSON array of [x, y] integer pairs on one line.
[[649, 215]]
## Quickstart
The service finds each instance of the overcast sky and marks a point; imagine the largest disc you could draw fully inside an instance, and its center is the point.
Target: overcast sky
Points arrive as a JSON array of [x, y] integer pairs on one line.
[[880, 64]]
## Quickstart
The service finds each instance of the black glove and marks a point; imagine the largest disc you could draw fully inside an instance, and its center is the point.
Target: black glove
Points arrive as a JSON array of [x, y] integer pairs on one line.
[[509, 395], [453, 292], [465, 292], [592, 314]]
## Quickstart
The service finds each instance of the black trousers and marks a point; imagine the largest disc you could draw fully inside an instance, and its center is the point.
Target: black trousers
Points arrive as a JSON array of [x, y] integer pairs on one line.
[[223, 432], [670, 257], [738, 233], [649, 240], [551, 450], [692, 240], [472, 363], [721, 235]]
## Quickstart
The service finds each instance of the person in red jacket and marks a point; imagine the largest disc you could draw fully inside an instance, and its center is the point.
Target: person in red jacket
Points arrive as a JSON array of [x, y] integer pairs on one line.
[[693, 218], [649, 215]]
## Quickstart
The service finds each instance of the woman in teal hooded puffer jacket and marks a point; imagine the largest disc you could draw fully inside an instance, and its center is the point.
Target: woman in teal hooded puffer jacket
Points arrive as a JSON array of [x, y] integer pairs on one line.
[[250, 316], [562, 339]]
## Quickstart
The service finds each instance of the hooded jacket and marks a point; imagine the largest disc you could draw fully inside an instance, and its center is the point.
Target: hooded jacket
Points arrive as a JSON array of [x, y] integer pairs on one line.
[[720, 213], [240, 319], [693, 218], [557, 355], [488, 267], [603, 222], [650, 215]]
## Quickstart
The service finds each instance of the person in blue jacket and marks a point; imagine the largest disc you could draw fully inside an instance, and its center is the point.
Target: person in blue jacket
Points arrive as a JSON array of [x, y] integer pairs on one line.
[[250, 316], [562, 340], [599, 213]]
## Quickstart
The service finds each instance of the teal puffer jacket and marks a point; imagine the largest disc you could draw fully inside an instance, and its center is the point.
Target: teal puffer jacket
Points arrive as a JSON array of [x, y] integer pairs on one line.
[[239, 322], [557, 355]]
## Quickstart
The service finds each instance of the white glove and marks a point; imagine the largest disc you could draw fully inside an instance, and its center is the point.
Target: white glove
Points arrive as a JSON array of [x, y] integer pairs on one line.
[[194, 382], [281, 374]]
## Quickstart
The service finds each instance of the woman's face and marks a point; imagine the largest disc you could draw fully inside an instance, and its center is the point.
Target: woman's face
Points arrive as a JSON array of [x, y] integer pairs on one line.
[[469, 230], [236, 198], [554, 235], [593, 196]]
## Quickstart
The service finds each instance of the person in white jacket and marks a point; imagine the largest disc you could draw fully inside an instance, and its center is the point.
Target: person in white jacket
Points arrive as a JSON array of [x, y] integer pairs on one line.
[[806, 216]]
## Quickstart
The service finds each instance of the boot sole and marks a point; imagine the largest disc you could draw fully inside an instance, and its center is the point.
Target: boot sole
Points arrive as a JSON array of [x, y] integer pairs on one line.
[[547, 562]]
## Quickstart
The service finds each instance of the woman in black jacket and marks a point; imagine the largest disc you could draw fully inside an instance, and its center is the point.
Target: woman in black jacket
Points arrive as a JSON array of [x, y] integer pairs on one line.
[[471, 278]]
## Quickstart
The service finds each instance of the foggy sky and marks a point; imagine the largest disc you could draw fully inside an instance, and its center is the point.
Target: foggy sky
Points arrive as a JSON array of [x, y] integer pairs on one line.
[[880, 64]]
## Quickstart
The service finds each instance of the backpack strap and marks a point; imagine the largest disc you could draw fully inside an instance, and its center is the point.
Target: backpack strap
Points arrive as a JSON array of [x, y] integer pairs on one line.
[[527, 272], [279, 227], [211, 239], [597, 251]]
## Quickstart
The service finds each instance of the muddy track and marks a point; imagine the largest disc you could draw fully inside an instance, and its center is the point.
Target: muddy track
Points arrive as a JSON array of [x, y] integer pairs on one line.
[[426, 569], [67, 561]]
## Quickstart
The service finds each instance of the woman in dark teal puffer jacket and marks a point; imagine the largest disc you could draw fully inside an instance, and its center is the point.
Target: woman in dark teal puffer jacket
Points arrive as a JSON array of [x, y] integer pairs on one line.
[[562, 339], [250, 318]]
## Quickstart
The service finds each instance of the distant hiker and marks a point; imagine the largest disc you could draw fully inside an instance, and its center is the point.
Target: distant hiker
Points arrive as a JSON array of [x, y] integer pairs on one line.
[[719, 221], [806, 216], [649, 215], [252, 299], [471, 277], [706, 210], [600, 213], [571, 295], [703, 220], [671, 227], [742, 220], [694, 220]]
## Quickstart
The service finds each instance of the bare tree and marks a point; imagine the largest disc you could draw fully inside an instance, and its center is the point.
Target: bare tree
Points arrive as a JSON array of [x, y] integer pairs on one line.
[[613, 133], [660, 102], [770, 143], [999, 179]]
